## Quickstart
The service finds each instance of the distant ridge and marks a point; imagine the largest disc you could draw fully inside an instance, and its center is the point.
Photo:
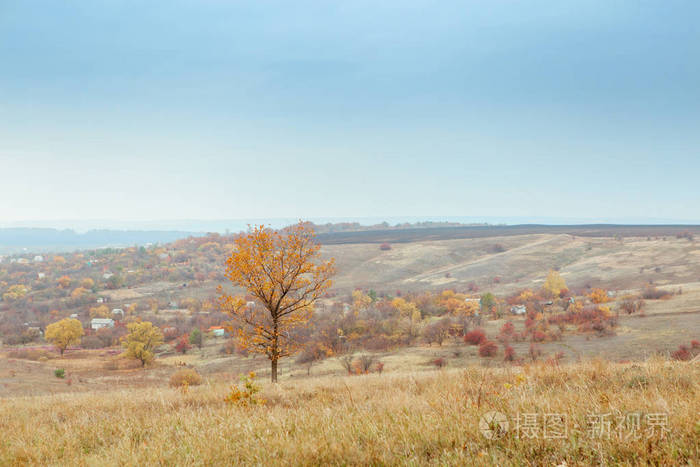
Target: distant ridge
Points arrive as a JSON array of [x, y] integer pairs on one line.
[[13, 240]]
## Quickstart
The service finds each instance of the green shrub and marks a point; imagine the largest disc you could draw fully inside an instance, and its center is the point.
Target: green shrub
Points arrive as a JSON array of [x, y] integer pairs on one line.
[[59, 373]]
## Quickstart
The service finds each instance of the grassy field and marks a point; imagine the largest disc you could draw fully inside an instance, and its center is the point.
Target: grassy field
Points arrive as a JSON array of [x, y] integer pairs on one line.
[[428, 418]]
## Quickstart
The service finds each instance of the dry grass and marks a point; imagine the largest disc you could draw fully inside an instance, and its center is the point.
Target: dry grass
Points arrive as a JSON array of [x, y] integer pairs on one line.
[[428, 418]]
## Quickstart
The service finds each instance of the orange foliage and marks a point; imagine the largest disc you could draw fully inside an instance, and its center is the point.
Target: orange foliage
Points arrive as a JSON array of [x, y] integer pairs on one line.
[[283, 271]]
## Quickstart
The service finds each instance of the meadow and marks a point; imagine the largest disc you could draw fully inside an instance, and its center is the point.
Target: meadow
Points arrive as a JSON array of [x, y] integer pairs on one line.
[[611, 414]]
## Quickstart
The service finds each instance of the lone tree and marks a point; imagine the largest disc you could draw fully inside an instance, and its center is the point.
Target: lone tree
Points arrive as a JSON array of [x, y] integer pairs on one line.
[[284, 272], [64, 333], [142, 340]]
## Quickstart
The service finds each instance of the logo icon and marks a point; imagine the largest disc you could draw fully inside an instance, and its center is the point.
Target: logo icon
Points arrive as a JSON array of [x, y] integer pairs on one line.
[[493, 425]]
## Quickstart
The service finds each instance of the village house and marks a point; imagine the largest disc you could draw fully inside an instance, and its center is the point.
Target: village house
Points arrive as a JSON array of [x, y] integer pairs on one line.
[[518, 309], [99, 323]]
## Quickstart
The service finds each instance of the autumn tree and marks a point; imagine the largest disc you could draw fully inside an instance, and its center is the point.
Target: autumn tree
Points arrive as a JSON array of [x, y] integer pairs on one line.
[[143, 339], [64, 333], [555, 284], [284, 272]]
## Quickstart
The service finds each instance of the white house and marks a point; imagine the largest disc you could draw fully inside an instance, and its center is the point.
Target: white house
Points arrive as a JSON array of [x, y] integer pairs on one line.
[[38, 259], [518, 309], [40, 275], [74, 316], [99, 323]]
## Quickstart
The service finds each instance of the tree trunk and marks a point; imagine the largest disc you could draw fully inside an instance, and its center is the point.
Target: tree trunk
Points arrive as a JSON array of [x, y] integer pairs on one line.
[[273, 374]]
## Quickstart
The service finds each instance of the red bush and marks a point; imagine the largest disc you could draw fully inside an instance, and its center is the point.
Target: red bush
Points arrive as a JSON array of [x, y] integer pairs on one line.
[[183, 344], [488, 348], [439, 362], [538, 336], [385, 247], [682, 353], [507, 329], [509, 354], [695, 344], [475, 337]]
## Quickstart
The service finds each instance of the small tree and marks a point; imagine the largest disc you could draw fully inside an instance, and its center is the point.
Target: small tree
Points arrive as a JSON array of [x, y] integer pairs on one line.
[[183, 345], [64, 333], [284, 272], [555, 284], [197, 338], [142, 340]]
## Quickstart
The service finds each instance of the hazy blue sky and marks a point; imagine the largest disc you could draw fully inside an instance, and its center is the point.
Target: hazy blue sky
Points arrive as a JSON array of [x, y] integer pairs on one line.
[[233, 109]]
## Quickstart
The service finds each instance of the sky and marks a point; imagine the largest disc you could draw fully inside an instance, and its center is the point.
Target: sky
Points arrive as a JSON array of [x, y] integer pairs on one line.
[[149, 111]]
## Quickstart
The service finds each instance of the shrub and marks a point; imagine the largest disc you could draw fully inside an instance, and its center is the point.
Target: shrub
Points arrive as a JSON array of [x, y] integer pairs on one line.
[[509, 354], [652, 293], [183, 344], [91, 342], [538, 336], [682, 354], [246, 394], [695, 344], [488, 348], [385, 247], [475, 337], [185, 377], [59, 373], [535, 351], [379, 367], [439, 362], [507, 329]]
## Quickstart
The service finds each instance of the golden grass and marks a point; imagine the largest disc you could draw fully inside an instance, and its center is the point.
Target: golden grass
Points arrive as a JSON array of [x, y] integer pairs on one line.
[[415, 419]]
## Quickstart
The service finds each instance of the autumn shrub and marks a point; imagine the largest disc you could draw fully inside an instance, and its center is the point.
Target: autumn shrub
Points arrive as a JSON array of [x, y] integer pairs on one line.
[[508, 328], [538, 336], [385, 247], [363, 364], [439, 362], [652, 293], [509, 354], [379, 367], [245, 393], [185, 377], [183, 344], [475, 337], [91, 342], [682, 354], [695, 344], [488, 348]]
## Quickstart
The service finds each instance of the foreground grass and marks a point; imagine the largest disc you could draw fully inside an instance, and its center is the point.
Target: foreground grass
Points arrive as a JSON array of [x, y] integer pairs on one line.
[[431, 418]]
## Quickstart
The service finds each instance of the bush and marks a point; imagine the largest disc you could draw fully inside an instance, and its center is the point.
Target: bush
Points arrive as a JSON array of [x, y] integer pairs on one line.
[[488, 349], [92, 342], [475, 337], [247, 393], [439, 362], [185, 377], [538, 336], [682, 354], [59, 373], [695, 344], [507, 329], [652, 293], [509, 354], [385, 247]]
